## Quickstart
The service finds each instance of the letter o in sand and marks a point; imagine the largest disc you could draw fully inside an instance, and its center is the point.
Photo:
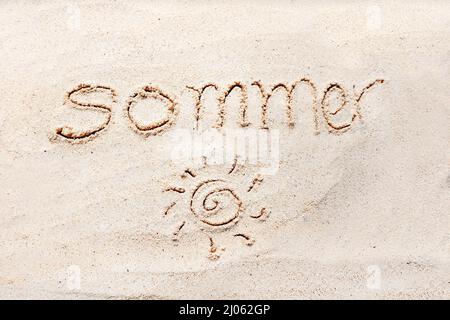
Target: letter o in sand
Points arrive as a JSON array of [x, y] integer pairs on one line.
[[154, 127]]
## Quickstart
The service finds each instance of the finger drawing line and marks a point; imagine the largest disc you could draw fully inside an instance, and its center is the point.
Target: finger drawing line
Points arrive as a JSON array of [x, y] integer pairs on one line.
[[345, 100], [222, 102], [243, 104], [289, 89], [213, 250], [263, 213], [188, 172], [198, 100], [257, 180], [249, 241], [177, 231], [176, 189], [170, 206], [333, 127], [233, 166], [156, 127], [68, 133], [210, 205]]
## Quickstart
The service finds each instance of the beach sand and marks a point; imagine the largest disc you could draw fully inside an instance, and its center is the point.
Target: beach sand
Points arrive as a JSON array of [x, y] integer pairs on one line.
[[96, 97]]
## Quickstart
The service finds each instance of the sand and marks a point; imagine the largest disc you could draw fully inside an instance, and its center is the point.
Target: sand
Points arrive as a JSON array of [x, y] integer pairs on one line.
[[103, 193]]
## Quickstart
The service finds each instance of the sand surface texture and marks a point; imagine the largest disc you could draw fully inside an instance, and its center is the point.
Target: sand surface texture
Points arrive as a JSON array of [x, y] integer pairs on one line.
[[104, 194]]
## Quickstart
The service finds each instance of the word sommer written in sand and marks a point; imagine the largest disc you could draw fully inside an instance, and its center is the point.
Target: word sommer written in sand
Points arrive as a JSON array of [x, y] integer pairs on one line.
[[320, 105]]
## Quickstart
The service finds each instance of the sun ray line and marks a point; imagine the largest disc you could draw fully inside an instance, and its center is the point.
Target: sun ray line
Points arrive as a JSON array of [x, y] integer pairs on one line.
[[177, 232], [248, 240], [170, 206], [176, 189]]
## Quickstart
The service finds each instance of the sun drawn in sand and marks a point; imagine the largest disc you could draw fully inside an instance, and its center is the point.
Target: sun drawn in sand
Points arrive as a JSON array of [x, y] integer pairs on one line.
[[215, 203]]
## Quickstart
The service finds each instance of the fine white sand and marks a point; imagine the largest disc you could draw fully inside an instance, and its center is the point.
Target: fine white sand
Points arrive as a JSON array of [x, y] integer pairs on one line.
[[355, 212]]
